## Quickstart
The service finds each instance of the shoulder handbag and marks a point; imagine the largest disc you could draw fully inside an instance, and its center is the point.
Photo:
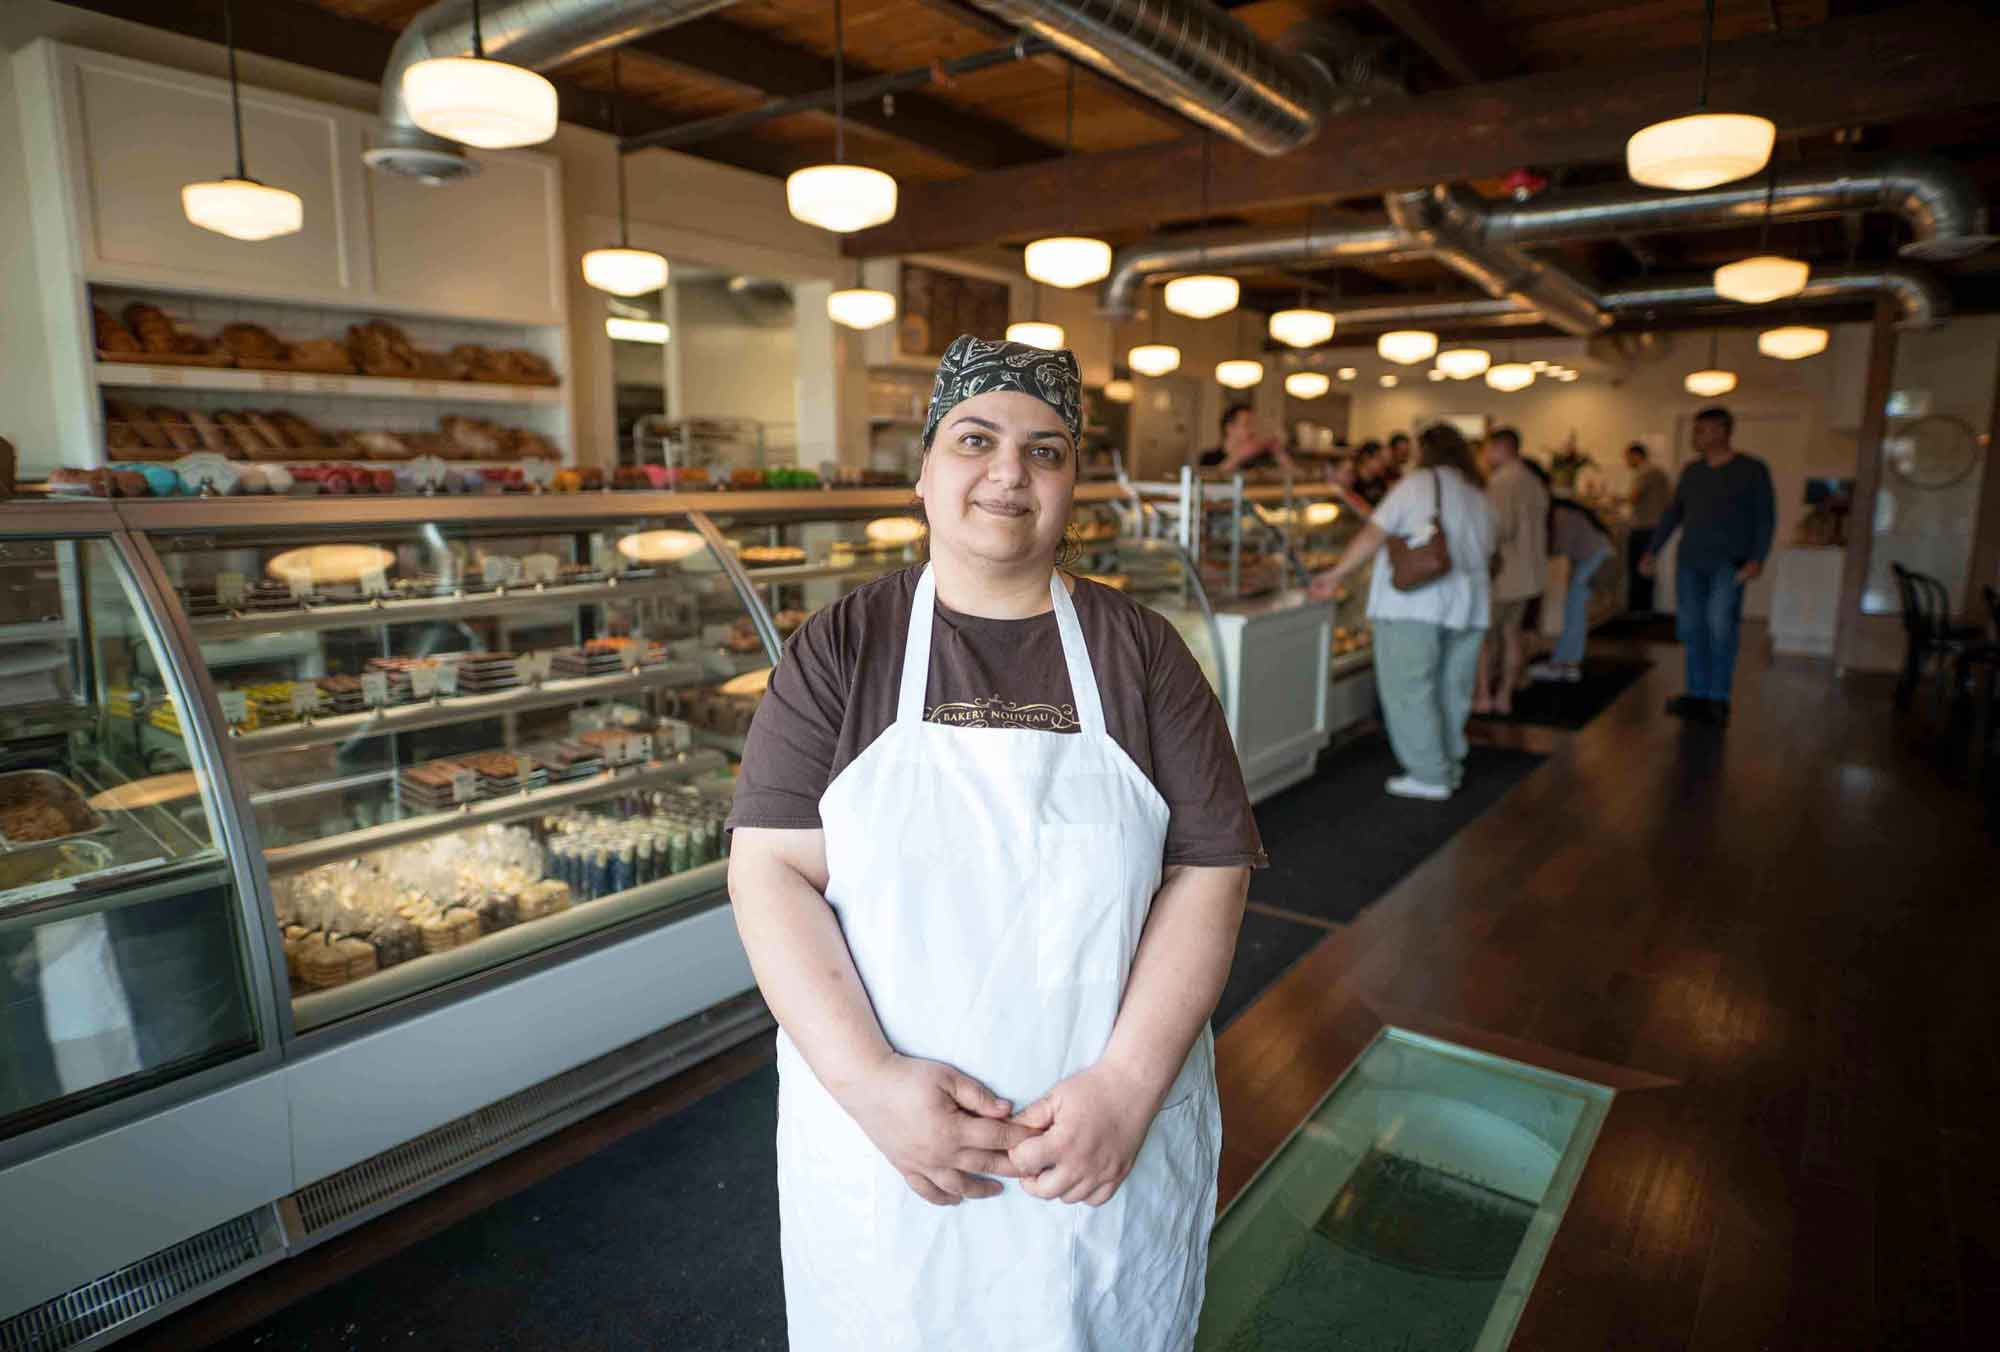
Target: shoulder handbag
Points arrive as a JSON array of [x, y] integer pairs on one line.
[[1413, 567]]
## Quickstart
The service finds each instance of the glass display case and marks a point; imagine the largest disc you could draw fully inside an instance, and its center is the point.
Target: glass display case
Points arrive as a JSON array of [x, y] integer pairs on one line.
[[1318, 529], [124, 962], [465, 734]]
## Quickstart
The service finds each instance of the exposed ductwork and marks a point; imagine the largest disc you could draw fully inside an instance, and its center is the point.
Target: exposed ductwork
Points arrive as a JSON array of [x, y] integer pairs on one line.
[[1370, 239], [537, 34], [1192, 57], [1453, 231]]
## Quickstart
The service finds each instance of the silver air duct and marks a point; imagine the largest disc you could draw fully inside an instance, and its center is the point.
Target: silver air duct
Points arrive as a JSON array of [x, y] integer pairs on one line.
[[537, 34], [1452, 230], [1372, 240], [1190, 56]]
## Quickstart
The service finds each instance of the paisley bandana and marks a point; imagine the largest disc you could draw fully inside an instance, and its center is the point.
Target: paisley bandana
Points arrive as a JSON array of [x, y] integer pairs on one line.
[[976, 366]]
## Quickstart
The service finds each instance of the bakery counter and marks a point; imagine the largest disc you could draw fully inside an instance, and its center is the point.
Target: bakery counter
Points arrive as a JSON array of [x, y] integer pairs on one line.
[[1277, 655]]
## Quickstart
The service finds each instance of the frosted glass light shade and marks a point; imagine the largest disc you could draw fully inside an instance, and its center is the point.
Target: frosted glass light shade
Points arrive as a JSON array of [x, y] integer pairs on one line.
[[1154, 359], [489, 104], [1709, 383], [1766, 277], [1307, 384], [1435, 374], [1239, 373], [1407, 347], [842, 198], [1699, 151], [1036, 334], [1386, 382], [1566, 375], [861, 307], [1347, 373], [1463, 363], [242, 209], [625, 272], [1509, 376], [1792, 342], [1118, 391], [1302, 328], [636, 330], [1068, 260], [1202, 296], [661, 546]]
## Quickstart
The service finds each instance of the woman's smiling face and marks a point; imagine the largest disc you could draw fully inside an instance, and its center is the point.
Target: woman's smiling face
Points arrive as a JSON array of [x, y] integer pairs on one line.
[[998, 479]]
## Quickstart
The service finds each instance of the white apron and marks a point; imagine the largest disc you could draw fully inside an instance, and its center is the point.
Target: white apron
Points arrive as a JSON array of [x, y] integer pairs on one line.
[[992, 884]]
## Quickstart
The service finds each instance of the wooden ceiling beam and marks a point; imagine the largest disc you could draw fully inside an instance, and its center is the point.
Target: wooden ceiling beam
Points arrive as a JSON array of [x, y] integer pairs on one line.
[[1876, 68], [743, 58], [1455, 35]]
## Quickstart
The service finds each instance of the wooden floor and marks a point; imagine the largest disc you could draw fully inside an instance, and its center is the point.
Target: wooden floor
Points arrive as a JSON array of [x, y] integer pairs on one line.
[[1778, 941]]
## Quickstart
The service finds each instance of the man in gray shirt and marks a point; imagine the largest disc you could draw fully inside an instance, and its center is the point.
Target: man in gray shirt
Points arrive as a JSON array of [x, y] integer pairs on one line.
[[1651, 492], [1726, 503]]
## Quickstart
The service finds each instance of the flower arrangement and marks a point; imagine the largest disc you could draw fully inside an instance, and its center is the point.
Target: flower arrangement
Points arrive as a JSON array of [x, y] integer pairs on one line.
[[1568, 463]]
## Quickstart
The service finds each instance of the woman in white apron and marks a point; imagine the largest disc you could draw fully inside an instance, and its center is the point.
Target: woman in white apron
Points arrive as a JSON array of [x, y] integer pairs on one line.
[[997, 1117]]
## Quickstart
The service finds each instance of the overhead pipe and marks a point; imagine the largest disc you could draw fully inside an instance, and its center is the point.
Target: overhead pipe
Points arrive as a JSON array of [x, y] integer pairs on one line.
[[1190, 56], [537, 34], [1371, 240], [1452, 229]]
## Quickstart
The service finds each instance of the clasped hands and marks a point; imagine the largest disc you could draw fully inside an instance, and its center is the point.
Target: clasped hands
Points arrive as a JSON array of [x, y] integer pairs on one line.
[[951, 1138]]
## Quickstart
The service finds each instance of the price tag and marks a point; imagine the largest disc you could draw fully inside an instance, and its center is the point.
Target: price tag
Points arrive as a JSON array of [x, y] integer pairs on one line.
[[524, 766], [329, 385], [428, 471], [524, 668], [540, 568], [640, 745], [544, 664], [305, 698], [273, 380], [166, 376], [674, 735], [374, 689], [447, 678], [464, 786], [538, 472], [604, 557], [493, 570], [374, 582], [424, 680], [235, 706], [514, 570], [229, 588], [301, 588]]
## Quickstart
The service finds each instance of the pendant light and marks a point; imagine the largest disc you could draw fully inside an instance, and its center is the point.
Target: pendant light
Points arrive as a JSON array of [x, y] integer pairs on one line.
[[1703, 149], [239, 206], [1307, 384], [1347, 373], [1119, 390], [623, 271], [1034, 332], [1407, 347], [1303, 327], [477, 102], [1510, 375], [1463, 363], [861, 307], [1203, 295], [1068, 261], [1156, 358], [841, 197], [1436, 373], [1793, 342], [1712, 380], [1387, 382], [1239, 373], [1768, 276]]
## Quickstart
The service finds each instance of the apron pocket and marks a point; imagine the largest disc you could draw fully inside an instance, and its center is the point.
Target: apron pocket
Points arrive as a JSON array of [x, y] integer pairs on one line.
[[1085, 929]]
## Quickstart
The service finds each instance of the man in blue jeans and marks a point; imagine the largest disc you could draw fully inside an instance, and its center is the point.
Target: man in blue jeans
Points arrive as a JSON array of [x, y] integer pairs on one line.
[[1725, 502]]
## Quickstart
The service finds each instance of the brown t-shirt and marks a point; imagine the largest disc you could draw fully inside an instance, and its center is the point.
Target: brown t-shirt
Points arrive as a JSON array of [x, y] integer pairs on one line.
[[835, 693]]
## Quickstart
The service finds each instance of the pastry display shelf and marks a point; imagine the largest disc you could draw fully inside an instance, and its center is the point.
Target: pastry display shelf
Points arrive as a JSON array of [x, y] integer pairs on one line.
[[297, 858], [670, 895], [138, 375], [445, 710], [823, 572], [417, 610]]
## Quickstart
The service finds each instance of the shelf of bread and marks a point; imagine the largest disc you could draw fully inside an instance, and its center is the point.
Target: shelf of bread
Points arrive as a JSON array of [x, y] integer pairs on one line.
[[280, 860], [436, 711]]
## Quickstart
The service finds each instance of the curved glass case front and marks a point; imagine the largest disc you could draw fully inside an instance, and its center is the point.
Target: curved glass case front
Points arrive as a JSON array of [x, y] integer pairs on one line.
[[465, 740], [122, 960], [801, 558]]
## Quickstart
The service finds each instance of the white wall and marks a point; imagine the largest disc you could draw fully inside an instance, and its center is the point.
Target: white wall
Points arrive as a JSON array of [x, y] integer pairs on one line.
[[732, 367]]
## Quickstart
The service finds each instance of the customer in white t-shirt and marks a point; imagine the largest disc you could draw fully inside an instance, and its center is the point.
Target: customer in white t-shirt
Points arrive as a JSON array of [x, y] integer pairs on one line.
[[1427, 640]]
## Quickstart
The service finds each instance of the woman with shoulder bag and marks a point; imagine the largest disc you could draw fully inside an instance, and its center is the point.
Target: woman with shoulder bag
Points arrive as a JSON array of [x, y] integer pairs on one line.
[[1428, 608]]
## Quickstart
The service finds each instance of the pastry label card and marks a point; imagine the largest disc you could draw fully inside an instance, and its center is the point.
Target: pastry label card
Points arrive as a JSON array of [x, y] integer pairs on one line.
[[427, 471], [539, 472], [540, 568], [305, 698], [447, 678], [374, 582], [374, 688], [464, 786], [229, 588], [235, 706], [424, 679], [493, 570]]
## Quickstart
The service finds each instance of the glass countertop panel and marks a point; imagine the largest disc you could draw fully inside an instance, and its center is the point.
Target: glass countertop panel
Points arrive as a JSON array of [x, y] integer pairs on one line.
[[1410, 1213]]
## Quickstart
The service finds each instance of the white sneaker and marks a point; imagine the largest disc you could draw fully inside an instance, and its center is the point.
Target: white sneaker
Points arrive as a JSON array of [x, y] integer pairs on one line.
[[1405, 786], [1573, 675], [1548, 671]]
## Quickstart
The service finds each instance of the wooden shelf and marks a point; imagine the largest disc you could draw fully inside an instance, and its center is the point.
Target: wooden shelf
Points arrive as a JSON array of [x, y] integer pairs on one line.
[[128, 375]]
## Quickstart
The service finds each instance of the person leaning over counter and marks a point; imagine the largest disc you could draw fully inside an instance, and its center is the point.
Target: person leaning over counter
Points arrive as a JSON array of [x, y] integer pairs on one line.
[[991, 850]]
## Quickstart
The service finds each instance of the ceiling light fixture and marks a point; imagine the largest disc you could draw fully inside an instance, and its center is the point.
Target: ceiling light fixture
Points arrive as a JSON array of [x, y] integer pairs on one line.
[[1510, 376], [1347, 373], [239, 206], [1712, 379], [1437, 373], [1463, 363], [841, 197], [1386, 382], [1303, 326], [635, 330], [1793, 342], [1239, 373], [861, 307], [1119, 390], [1703, 149], [1203, 295], [1767, 276], [1307, 384], [1407, 347], [489, 104], [623, 271], [1035, 333], [1155, 358], [1071, 260]]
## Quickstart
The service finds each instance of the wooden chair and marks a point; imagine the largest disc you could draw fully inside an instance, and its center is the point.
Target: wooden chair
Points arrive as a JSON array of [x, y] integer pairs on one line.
[[1929, 634]]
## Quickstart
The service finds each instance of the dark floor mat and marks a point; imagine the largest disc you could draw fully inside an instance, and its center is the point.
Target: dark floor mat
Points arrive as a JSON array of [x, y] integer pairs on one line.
[[1265, 950], [1645, 628], [1558, 704], [1337, 841]]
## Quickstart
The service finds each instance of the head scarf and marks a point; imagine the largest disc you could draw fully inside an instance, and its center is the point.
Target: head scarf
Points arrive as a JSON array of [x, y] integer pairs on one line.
[[973, 366]]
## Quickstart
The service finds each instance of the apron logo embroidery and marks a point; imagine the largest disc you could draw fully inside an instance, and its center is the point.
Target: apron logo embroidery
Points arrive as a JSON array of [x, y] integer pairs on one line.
[[1000, 713]]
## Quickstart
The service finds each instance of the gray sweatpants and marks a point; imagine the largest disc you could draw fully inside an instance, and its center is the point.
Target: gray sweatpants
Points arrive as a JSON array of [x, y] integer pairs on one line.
[[1424, 674]]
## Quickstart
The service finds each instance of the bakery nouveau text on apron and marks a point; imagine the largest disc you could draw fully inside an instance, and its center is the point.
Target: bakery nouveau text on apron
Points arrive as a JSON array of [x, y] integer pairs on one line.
[[992, 884]]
